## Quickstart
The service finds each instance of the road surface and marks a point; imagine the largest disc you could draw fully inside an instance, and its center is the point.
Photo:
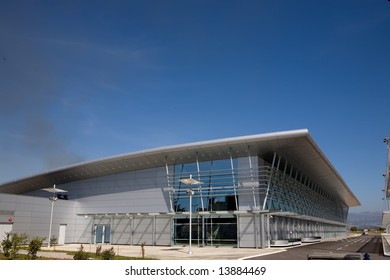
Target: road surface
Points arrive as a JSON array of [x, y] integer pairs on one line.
[[371, 244]]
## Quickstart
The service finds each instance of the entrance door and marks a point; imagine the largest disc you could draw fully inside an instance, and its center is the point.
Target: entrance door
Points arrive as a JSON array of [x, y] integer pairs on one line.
[[61, 235], [207, 231], [3, 229], [102, 233]]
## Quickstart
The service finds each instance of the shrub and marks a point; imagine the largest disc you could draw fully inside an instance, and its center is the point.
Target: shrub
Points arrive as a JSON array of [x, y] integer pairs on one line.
[[81, 254], [143, 249], [53, 241], [108, 254], [12, 243], [34, 246], [98, 250], [6, 245]]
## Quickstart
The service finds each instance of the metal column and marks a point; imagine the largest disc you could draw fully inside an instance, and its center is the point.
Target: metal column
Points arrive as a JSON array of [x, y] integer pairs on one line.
[[269, 181], [170, 189], [252, 179], [234, 179]]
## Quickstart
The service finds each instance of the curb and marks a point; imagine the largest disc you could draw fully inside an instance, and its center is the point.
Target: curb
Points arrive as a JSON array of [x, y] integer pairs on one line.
[[386, 245]]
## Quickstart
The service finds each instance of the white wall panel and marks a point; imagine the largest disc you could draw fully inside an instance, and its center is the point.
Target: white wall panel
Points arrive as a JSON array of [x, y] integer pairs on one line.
[[247, 231], [247, 183]]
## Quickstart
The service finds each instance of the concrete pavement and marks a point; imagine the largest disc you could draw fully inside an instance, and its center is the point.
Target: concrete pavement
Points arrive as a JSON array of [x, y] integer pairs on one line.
[[386, 244], [178, 252], [164, 253]]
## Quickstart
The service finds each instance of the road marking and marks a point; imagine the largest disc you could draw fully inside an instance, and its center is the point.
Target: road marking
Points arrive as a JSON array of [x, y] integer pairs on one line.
[[338, 249]]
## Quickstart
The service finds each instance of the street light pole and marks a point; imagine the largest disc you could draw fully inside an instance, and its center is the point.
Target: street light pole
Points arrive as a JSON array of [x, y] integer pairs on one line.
[[190, 192], [53, 199], [387, 174]]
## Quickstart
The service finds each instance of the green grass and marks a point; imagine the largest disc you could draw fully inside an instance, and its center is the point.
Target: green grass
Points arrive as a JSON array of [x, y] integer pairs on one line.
[[91, 256], [24, 257]]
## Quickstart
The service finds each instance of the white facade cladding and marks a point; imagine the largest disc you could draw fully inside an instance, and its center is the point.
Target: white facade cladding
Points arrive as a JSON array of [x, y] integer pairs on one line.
[[386, 190], [252, 190]]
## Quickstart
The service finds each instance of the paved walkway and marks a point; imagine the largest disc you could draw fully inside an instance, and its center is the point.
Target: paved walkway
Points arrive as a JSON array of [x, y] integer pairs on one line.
[[178, 252], [386, 244], [164, 253]]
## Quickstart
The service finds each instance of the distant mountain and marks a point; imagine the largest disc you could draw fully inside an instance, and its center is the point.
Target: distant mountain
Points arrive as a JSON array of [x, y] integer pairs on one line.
[[366, 219]]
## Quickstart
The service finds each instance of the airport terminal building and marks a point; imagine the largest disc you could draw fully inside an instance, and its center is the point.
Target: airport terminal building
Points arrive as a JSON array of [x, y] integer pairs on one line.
[[246, 191], [386, 191]]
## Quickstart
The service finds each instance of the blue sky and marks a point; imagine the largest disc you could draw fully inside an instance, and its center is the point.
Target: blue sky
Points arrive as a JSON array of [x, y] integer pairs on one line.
[[81, 80]]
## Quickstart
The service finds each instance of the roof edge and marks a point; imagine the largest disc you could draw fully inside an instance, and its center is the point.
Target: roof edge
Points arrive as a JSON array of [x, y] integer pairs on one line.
[[171, 148], [330, 165]]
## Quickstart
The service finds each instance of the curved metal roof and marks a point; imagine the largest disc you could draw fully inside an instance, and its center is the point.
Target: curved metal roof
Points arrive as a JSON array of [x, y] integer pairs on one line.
[[295, 146]]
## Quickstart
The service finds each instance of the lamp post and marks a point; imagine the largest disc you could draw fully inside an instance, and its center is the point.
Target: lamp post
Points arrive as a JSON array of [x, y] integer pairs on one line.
[[387, 174], [190, 192], [53, 199]]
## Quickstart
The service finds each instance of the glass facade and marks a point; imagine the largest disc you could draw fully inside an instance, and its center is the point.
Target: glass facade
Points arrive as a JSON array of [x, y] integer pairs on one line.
[[207, 230], [291, 190], [217, 192], [223, 183]]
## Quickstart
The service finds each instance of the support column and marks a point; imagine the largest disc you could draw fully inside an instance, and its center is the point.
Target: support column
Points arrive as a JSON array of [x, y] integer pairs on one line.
[[252, 179], [263, 231], [203, 232], [268, 236], [111, 230], [256, 230], [132, 230], [154, 231], [92, 231], [234, 179], [269, 181], [170, 189], [199, 179], [238, 231], [173, 231]]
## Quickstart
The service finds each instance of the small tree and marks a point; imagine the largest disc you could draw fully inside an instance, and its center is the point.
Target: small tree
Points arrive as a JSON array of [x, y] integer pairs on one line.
[[12, 243], [17, 241], [53, 241], [108, 254], [143, 249], [81, 254], [6, 245], [98, 251], [34, 246]]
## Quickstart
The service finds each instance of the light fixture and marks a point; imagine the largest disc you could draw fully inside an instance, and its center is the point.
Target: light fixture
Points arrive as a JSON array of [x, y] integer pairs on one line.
[[53, 198], [190, 181], [190, 192]]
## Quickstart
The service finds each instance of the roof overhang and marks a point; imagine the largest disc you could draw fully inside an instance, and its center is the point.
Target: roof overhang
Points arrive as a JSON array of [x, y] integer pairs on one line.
[[295, 146]]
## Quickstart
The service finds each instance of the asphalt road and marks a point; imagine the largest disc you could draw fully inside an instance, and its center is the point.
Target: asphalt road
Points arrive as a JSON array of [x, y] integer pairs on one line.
[[371, 244]]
